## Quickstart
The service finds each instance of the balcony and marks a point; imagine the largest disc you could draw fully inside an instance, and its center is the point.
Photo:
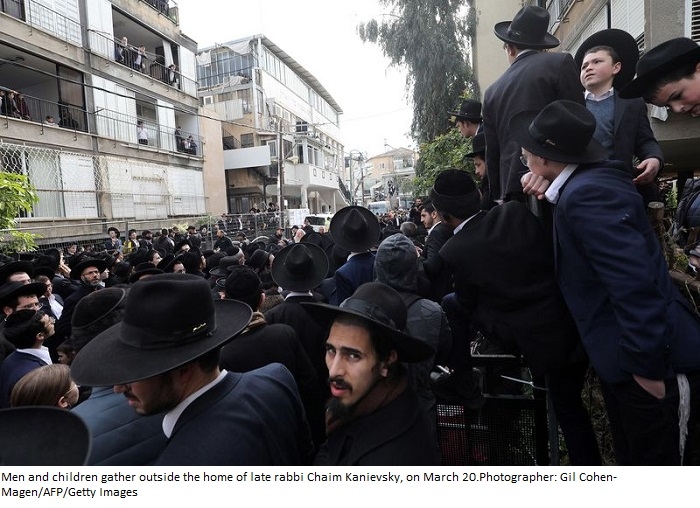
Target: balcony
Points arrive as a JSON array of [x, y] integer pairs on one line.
[[144, 59], [107, 123]]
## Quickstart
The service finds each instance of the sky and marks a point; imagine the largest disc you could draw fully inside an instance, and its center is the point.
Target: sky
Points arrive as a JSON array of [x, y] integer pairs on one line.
[[321, 35]]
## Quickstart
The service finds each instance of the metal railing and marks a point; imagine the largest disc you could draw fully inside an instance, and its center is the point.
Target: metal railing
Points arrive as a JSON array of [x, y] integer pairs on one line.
[[33, 109], [167, 7], [147, 65], [39, 16], [117, 125], [108, 123]]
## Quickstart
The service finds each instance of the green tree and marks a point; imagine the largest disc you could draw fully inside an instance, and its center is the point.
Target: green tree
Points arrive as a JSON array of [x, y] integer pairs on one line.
[[445, 151], [428, 38], [16, 196]]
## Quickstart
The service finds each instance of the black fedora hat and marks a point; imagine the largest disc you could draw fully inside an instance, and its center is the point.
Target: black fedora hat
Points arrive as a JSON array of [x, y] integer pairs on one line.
[[144, 269], [11, 290], [165, 262], [313, 237], [47, 271], [624, 45], [562, 132], [384, 308], [478, 145], [469, 109], [300, 267], [222, 269], [528, 29], [14, 267], [355, 228], [658, 62], [169, 320], [84, 262], [42, 436]]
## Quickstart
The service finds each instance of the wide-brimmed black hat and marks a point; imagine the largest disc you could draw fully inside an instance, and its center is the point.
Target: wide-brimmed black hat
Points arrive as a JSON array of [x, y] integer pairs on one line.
[[624, 45], [144, 269], [300, 267], [384, 308], [42, 436], [222, 269], [313, 237], [84, 262], [469, 109], [46, 271], [11, 290], [169, 320], [355, 228], [658, 61], [478, 145], [14, 267], [528, 29], [562, 132]]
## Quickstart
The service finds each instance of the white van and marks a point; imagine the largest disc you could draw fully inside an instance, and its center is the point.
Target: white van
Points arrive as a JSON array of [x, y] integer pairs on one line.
[[320, 220]]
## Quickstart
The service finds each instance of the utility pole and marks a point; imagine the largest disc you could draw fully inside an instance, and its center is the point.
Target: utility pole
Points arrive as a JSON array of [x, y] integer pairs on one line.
[[280, 176]]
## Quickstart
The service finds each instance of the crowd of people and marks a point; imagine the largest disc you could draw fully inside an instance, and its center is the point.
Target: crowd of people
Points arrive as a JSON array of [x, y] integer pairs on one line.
[[321, 347]]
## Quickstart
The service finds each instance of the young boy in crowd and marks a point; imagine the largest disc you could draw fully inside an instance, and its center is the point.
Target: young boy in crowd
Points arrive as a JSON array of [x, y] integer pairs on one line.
[[607, 60]]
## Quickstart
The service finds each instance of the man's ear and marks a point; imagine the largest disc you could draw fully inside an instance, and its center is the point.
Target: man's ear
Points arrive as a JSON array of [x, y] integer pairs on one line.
[[63, 403], [393, 357], [616, 68]]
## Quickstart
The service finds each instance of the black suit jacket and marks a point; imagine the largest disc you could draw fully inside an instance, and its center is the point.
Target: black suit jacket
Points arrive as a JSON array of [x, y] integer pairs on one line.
[[311, 334], [504, 278], [433, 265], [265, 344], [533, 80], [633, 137]]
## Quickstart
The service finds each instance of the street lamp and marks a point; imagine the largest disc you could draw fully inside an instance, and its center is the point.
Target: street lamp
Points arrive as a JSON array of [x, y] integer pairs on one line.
[[360, 159]]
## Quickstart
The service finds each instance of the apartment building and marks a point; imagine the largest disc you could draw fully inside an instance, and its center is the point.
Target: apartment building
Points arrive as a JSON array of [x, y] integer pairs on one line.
[[280, 127], [388, 177], [109, 130]]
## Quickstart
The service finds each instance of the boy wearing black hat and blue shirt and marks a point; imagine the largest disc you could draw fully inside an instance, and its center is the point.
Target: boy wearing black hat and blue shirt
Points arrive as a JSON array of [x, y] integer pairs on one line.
[[607, 60], [641, 336]]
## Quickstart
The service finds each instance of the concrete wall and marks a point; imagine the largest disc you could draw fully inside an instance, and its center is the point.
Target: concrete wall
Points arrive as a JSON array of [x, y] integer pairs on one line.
[[214, 175], [489, 59]]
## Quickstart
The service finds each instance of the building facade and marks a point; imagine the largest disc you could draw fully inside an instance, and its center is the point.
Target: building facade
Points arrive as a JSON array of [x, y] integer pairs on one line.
[[108, 129], [280, 128]]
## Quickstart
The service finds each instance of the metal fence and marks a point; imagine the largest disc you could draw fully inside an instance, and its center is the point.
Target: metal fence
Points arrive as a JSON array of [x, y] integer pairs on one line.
[[79, 186], [90, 234]]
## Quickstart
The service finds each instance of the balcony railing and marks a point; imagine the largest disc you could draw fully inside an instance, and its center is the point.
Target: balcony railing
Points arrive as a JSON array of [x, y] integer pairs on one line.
[[39, 16], [108, 123], [167, 7], [147, 64]]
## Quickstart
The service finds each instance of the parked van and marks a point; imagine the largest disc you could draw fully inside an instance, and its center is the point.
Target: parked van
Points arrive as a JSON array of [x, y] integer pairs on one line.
[[320, 220]]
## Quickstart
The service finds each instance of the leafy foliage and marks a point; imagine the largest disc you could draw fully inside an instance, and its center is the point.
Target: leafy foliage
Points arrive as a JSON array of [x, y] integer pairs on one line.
[[429, 38], [16, 196], [445, 151]]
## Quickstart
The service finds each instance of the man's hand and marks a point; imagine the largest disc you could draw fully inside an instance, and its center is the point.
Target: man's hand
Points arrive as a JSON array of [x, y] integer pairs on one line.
[[655, 387], [649, 169], [534, 185]]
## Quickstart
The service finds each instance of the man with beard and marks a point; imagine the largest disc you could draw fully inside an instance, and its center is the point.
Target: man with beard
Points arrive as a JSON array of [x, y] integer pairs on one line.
[[373, 417], [88, 271], [164, 356], [26, 330]]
